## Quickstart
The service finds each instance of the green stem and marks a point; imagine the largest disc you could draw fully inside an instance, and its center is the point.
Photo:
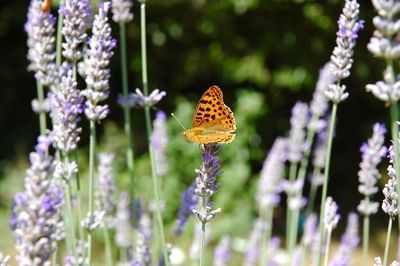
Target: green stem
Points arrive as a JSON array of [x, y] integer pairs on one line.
[[394, 117], [42, 115], [301, 176], [326, 178], [149, 132], [365, 241], [59, 37], [70, 220], [292, 178], [107, 242], [92, 154], [328, 245], [267, 215], [389, 230], [313, 192], [204, 201], [127, 114]]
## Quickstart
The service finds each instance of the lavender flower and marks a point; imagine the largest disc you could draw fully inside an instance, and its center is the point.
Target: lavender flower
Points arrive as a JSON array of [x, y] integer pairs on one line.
[[121, 10], [138, 99], [378, 262], [159, 140], [390, 203], [4, 259], [97, 73], [254, 243], [93, 220], [320, 149], [41, 107], [271, 175], [310, 229], [331, 218], [77, 16], [206, 179], [189, 201], [293, 191], [36, 211], [80, 259], [372, 153], [272, 253], [66, 105], [349, 26], [319, 102], [296, 140], [41, 42], [385, 45], [106, 188], [348, 244], [123, 226], [222, 252], [144, 235]]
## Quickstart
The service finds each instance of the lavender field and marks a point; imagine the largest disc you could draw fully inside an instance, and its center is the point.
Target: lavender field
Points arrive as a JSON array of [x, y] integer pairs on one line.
[[200, 132]]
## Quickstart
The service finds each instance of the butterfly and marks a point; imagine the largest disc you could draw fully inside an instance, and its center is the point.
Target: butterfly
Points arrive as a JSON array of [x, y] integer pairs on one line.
[[213, 121], [46, 6]]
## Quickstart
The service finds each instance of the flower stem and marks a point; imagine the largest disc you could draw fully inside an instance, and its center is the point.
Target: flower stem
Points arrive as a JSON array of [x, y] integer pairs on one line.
[[365, 242], [313, 192], [204, 203], [326, 177], [267, 215], [59, 37], [328, 244], [156, 186], [42, 114], [292, 178], [389, 230], [92, 154], [127, 114], [107, 247]]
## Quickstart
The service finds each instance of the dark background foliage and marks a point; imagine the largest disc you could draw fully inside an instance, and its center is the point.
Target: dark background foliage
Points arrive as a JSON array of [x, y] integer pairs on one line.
[[273, 47]]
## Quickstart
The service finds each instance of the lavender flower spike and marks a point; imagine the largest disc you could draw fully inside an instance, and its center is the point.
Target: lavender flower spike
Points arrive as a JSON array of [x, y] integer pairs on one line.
[[189, 201], [144, 235], [159, 140], [349, 242], [319, 102], [384, 45], [121, 10], [36, 211], [66, 105], [222, 252], [253, 244], [106, 188], [41, 43], [390, 203], [372, 153], [349, 26], [123, 226], [77, 15], [271, 175], [331, 218], [296, 140], [206, 179], [97, 72]]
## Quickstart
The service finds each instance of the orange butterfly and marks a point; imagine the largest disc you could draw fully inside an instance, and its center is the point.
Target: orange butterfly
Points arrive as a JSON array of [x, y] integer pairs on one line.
[[46, 6], [213, 121]]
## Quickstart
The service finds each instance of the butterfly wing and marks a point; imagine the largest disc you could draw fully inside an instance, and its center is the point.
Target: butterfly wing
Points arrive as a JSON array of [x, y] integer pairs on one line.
[[211, 110], [222, 137]]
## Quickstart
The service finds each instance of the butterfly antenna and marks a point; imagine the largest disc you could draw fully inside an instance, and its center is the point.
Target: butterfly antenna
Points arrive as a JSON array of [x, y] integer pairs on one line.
[[179, 122]]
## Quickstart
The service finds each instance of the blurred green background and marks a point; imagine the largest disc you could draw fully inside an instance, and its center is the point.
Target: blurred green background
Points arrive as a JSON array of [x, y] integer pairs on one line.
[[264, 54]]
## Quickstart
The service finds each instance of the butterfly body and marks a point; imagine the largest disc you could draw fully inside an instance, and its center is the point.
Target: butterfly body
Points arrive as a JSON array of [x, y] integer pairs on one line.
[[213, 121]]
